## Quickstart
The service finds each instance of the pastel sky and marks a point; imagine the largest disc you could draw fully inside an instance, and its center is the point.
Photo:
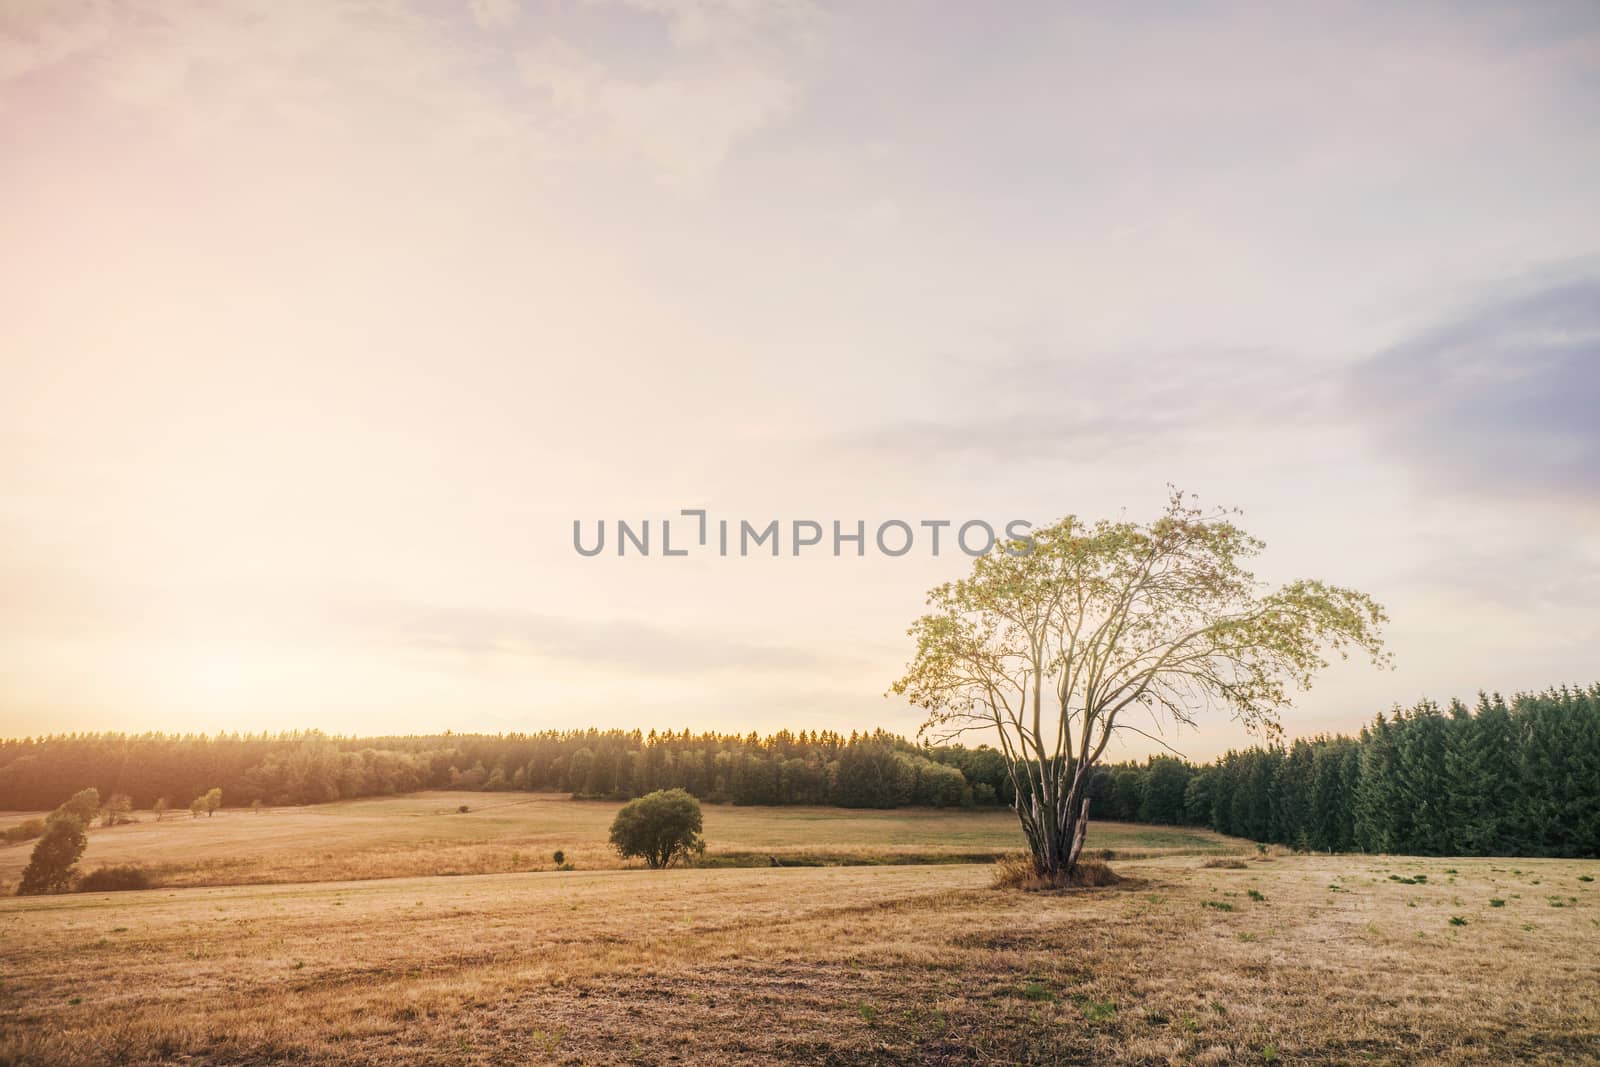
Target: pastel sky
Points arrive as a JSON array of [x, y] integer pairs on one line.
[[321, 323]]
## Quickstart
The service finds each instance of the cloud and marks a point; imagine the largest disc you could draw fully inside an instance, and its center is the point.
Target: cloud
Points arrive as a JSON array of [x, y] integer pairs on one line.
[[1050, 407], [1500, 399], [682, 123], [722, 71], [490, 14], [249, 65], [626, 645], [37, 34]]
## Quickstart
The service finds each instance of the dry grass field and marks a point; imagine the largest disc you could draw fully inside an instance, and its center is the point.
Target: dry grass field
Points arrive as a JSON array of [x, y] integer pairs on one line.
[[1293, 959], [427, 834]]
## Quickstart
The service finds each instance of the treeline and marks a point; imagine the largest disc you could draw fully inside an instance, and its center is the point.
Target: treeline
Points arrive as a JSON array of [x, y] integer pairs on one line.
[[1517, 779], [877, 770]]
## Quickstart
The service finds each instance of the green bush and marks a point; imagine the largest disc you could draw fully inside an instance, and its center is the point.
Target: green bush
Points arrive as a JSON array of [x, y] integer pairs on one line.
[[50, 868], [661, 828]]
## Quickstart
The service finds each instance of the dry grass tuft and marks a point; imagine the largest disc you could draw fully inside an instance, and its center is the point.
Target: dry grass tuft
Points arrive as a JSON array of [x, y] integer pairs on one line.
[[1016, 871], [1225, 865]]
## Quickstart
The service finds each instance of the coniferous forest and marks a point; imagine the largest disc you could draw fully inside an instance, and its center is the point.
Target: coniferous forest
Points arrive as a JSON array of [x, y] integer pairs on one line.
[[1518, 777]]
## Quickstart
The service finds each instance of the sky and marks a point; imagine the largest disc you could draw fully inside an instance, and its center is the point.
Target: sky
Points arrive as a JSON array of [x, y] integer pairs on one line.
[[321, 324]]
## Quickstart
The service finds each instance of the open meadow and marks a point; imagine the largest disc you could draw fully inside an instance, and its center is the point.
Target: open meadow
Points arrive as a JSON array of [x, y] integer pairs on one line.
[[429, 834], [1252, 958]]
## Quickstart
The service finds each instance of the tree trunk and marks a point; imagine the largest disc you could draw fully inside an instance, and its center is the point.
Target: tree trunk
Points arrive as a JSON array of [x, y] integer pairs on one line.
[[1057, 842]]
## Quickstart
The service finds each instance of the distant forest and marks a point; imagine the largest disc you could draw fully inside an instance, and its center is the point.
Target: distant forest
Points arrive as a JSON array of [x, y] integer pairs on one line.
[[1517, 778]]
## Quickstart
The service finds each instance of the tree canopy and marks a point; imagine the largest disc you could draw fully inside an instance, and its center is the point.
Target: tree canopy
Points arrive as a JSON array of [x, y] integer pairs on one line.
[[1054, 648], [661, 828], [54, 860]]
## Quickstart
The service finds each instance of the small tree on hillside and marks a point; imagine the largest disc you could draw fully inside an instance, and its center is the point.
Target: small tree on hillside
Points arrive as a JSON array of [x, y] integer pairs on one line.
[[118, 809], [82, 805], [661, 828], [51, 866], [1053, 649], [207, 803]]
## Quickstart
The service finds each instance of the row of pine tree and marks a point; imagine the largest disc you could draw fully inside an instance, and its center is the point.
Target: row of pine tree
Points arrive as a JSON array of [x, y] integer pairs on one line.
[[1519, 778], [876, 770]]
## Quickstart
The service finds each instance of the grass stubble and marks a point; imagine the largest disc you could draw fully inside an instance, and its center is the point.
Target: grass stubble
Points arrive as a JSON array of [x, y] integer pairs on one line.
[[1304, 959]]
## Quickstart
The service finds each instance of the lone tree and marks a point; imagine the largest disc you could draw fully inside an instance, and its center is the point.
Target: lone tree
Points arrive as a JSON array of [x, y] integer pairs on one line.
[[1055, 649], [661, 827], [206, 804], [117, 810], [52, 864]]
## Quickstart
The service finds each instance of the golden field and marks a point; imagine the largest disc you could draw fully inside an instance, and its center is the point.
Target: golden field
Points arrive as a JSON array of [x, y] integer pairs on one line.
[[427, 834], [1293, 959]]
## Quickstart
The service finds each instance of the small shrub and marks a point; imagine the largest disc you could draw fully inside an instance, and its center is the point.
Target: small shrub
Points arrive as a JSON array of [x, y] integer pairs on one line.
[[1228, 864], [1585, 877], [1456, 920], [559, 856], [1219, 905], [463, 809], [1496, 902], [1257, 896], [1100, 1011], [115, 879], [24, 831]]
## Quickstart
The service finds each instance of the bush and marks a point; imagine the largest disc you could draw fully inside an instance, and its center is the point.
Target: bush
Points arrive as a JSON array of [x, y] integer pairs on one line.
[[661, 828], [1225, 865], [115, 879], [25, 831], [50, 868]]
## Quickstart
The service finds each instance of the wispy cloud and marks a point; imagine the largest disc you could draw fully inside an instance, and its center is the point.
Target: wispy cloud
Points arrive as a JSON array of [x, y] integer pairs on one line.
[[1500, 399], [1125, 405], [631, 646]]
